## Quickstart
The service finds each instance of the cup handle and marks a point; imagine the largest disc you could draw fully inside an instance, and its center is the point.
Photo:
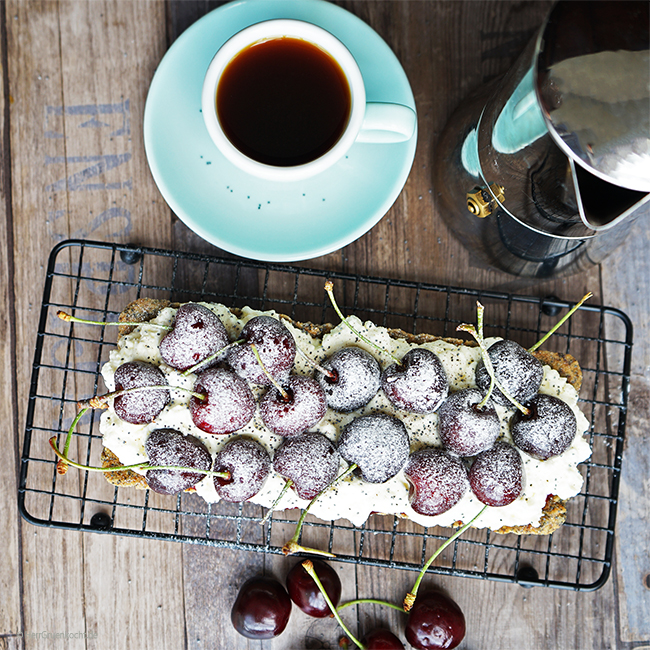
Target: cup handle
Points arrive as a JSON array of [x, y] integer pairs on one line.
[[387, 123]]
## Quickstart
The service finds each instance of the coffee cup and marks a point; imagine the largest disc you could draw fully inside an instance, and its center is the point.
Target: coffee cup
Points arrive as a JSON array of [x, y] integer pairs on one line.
[[284, 100]]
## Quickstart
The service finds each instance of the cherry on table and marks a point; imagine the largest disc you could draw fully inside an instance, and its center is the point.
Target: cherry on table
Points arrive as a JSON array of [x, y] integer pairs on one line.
[[275, 346], [304, 592], [228, 404], [302, 405], [170, 447], [435, 622], [418, 384], [262, 609], [196, 334], [381, 639], [355, 381], [464, 429]]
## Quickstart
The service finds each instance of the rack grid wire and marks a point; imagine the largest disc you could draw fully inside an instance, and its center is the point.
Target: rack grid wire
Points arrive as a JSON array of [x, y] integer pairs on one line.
[[96, 280]]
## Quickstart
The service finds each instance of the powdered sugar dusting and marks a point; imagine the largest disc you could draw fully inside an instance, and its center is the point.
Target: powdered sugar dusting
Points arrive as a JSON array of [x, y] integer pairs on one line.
[[142, 406], [197, 333], [249, 466], [170, 447], [465, 430], [229, 403], [310, 461], [548, 431], [497, 475], [378, 444]]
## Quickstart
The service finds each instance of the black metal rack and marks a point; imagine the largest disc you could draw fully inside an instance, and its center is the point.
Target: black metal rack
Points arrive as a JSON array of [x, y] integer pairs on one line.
[[96, 280]]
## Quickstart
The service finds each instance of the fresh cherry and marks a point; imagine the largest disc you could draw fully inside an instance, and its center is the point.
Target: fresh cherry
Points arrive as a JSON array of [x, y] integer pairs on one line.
[[354, 379], [262, 609], [381, 639], [275, 346], [305, 593], [310, 461], [497, 475], [464, 429], [301, 406], [438, 480], [516, 369], [228, 402], [547, 430], [196, 334], [378, 444], [142, 406], [418, 384], [170, 447], [249, 465], [435, 621]]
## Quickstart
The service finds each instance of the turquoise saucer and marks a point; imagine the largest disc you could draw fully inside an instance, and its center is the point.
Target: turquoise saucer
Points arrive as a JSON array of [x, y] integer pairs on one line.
[[253, 218]]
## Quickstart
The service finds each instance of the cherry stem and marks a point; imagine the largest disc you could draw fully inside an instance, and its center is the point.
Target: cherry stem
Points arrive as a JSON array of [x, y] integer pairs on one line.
[[292, 546], [73, 319], [561, 321], [145, 465], [477, 333], [212, 357], [288, 483], [329, 287], [285, 396], [324, 371], [101, 401], [410, 597], [358, 601], [309, 567], [62, 465]]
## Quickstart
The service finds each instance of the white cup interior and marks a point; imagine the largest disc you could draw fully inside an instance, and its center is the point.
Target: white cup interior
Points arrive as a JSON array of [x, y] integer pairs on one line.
[[275, 29]]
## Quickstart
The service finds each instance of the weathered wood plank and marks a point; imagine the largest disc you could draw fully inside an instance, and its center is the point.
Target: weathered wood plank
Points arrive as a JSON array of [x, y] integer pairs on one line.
[[10, 563], [625, 285]]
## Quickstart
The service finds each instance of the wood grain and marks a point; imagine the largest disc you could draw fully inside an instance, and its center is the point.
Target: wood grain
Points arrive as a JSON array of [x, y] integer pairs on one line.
[[75, 78]]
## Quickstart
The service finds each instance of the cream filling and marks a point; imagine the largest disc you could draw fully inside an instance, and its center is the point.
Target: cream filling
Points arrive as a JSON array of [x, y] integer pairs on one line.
[[352, 498]]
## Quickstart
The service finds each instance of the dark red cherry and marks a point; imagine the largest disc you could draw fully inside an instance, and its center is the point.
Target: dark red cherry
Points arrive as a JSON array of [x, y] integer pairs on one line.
[[262, 609], [170, 447], [438, 480], [309, 460], [196, 334], [381, 640], [305, 593], [518, 371], [464, 429], [275, 346], [548, 430], [378, 444], [419, 384], [303, 406], [228, 406], [497, 475], [435, 621], [143, 406], [357, 377], [249, 465]]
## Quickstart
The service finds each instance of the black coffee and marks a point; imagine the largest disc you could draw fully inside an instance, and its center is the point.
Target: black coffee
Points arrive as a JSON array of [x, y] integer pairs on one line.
[[283, 101]]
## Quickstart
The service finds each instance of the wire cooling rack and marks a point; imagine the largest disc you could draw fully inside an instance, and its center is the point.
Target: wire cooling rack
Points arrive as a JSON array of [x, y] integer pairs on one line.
[[96, 280]]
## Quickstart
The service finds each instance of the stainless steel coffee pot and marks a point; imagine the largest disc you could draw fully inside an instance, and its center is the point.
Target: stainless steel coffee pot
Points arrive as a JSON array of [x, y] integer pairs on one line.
[[544, 172]]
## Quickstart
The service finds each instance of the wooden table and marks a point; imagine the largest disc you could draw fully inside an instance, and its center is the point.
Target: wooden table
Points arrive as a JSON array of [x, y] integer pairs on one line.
[[75, 77]]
